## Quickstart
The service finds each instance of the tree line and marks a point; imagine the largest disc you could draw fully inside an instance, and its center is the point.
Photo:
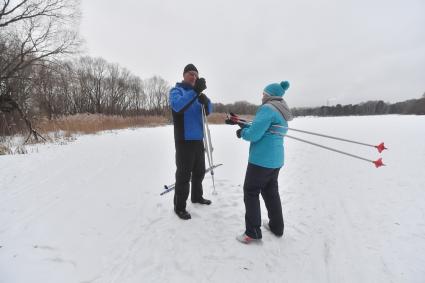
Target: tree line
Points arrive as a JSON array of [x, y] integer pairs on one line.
[[378, 107], [89, 85], [240, 107]]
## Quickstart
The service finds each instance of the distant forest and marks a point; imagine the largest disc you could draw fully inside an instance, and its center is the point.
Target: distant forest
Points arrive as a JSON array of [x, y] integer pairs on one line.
[[378, 107]]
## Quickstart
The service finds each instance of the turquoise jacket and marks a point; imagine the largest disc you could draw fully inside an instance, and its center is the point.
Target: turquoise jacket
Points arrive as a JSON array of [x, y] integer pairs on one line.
[[266, 149]]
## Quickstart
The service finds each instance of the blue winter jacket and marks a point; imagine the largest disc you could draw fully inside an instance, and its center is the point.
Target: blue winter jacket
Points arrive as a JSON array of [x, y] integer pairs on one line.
[[187, 113], [266, 149]]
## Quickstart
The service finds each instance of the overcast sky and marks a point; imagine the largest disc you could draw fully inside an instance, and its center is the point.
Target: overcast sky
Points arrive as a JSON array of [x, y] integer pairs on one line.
[[329, 50]]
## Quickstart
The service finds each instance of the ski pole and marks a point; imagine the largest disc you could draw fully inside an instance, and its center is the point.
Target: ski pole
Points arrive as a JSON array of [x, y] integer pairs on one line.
[[378, 163], [381, 147], [208, 146]]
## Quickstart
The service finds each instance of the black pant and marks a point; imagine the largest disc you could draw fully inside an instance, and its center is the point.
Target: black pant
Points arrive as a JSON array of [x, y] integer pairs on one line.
[[262, 180], [190, 162]]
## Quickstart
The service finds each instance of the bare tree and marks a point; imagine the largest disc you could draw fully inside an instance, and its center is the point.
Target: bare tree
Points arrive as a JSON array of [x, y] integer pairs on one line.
[[157, 92], [137, 95], [17, 11], [116, 88], [33, 32]]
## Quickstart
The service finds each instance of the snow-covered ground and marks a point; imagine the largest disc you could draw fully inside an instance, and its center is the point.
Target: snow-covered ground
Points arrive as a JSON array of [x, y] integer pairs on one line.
[[90, 210]]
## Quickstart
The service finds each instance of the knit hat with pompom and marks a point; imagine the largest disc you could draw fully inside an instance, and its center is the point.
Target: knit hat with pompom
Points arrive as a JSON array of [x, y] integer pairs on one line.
[[276, 89]]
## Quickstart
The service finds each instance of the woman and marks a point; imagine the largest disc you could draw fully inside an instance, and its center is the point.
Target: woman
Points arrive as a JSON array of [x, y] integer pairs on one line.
[[266, 157]]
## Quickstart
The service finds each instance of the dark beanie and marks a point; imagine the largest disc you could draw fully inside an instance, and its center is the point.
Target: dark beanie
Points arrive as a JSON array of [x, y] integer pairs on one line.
[[189, 67]]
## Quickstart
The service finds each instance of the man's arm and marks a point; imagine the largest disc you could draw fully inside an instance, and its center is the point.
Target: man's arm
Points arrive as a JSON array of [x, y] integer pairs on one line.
[[181, 100]]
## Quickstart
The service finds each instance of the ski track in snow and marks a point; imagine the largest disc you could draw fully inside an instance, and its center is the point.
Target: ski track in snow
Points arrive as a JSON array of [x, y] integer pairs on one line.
[[90, 211]]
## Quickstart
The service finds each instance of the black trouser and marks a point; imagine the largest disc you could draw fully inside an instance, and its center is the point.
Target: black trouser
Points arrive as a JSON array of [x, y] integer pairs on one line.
[[190, 162], [262, 180]]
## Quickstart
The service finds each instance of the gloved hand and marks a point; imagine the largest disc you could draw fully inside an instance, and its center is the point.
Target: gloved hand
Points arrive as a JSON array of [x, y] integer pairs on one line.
[[200, 85], [239, 133], [235, 120], [232, 119], [203, 99], [229, 121]]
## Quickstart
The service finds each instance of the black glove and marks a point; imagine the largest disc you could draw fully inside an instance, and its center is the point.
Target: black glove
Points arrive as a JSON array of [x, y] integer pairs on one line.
[[239, 133], [232, 119], [203, 99], [230, 122], [200, 85], [235, 120]]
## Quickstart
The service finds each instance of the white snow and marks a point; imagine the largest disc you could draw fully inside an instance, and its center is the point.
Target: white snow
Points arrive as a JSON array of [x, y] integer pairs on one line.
[[90, 210]]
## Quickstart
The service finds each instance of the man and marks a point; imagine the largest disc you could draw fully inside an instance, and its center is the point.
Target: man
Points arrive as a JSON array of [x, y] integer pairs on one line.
[[266, 157], [187, 100]]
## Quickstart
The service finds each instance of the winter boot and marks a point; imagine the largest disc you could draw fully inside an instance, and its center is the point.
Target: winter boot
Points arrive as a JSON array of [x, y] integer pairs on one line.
[[202, 201], [245, 239], [266, 225], [183, 214]]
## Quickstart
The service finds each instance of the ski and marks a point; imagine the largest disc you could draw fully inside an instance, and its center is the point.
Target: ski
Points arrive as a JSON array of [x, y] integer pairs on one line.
[[171, 187]]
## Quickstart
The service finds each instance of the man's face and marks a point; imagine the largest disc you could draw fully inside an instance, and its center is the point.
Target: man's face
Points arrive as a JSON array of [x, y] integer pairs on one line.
[[190, 77]]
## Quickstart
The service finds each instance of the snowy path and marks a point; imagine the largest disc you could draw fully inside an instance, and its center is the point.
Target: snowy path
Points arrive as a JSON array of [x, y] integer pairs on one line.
[[90, 211]]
